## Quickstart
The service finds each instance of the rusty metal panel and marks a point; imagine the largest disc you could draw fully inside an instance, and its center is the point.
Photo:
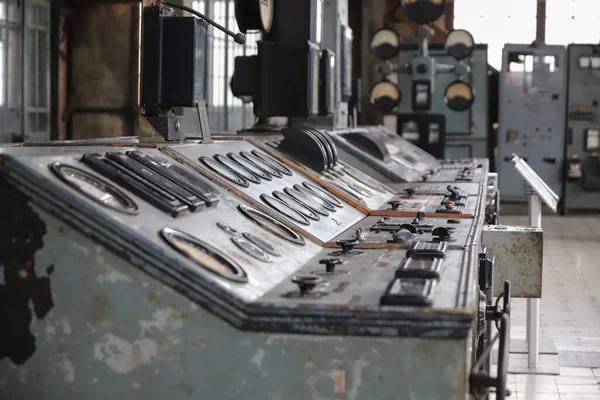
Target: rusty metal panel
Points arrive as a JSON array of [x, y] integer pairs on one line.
[[518, 253]]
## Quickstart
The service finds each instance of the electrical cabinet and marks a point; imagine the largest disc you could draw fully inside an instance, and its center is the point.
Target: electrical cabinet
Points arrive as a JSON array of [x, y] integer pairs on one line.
[[466, 131], [582, 144], [533, 96]]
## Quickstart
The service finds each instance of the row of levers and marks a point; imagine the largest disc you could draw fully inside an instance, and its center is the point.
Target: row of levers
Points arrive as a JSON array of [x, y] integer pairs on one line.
[[314, 260]]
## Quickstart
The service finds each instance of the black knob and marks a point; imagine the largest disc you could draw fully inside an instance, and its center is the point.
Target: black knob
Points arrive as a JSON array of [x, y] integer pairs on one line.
[[395, 204], [306, 283], [441, 232], [347, 245], [422, 69], [453, 192], [453, 221], [409, 227], [421, 215], [330, 264], [410, 192]]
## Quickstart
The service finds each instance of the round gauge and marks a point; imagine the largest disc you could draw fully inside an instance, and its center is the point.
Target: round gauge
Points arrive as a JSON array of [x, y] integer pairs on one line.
[[250, 166], [460, 44], [459, 96], [284, 209], [385, 43], [237, 168], [323, 194], [95, 189], [309, 201], [309, 195], [263, 165], [278, 165], [224, 171], [385, 95], [254, 15], [250, 248], [204, 255], [423, 11], [271, 224], [295, 204], [263, 244]]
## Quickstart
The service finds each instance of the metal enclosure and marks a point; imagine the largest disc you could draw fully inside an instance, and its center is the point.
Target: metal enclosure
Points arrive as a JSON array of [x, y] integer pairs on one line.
[[121, 310], [467, 131], [533, 98], [582, 172], [518, 258]]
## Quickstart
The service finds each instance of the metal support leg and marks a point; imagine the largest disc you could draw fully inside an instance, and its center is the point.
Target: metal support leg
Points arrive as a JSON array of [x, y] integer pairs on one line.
[[533, 305]]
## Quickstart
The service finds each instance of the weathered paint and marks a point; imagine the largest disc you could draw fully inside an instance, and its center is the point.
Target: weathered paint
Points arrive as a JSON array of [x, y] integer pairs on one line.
[[518, 258], [140, 339]]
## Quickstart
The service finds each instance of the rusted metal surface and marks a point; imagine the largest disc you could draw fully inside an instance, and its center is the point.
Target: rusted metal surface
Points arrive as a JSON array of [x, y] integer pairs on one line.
[[21, 283], [518, 254]]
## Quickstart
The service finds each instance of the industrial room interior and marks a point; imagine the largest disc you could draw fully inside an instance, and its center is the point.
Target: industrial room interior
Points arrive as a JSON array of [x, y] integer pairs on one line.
[[299, 199]]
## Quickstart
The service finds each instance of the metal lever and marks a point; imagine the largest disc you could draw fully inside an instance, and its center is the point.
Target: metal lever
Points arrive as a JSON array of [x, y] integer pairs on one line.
[[480, 381], [495, 313]]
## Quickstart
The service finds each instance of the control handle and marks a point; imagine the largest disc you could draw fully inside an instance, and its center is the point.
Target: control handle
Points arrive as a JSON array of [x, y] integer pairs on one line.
[[479, 380], [306, 283], [453, 192], [330, 264], [495, 313], [395, 204], [410, 192], [347, 245]]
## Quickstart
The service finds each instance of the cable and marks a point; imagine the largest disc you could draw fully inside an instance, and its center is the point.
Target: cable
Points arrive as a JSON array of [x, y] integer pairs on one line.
[[237, 37]]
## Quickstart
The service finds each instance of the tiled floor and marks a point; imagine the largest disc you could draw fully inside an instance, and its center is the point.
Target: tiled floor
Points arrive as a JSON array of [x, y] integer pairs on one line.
[[569, 309]]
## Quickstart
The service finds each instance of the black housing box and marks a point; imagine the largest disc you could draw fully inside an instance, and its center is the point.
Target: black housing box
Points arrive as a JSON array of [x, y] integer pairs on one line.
[[289, 79], [174, 60], [296, 21]]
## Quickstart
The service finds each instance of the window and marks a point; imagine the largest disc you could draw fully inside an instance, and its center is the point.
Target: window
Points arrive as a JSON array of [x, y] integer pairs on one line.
[[572, 21], [497, 23], [11, 72], [226, 112], [37, 70]]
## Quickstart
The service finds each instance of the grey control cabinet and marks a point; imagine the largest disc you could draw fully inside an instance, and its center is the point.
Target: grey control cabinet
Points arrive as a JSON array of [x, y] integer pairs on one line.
[[582, 164], [533, 97], [466, 132]]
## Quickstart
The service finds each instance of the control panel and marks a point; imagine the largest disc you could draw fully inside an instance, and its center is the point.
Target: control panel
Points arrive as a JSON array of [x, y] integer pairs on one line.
[[252, 173], [582, 169], [231, 240], [390, 158], [404, 232]]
